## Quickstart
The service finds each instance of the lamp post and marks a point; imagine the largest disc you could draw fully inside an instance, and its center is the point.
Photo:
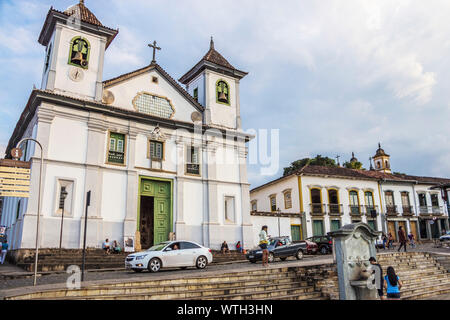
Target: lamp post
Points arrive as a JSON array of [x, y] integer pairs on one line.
[[39, 204], [62, 200]]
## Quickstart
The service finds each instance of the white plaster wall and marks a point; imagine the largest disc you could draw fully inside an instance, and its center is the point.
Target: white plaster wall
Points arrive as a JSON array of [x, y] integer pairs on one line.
[[198, 82], [114, 196], [126, 91], [263, 200], [227, 164], [86, 87], [221, 114], [193, 202], [50, 189], [68, 140], [229, 190]]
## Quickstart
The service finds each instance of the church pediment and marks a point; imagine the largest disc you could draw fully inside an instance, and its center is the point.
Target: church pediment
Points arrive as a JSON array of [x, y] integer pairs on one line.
[[151, 91]]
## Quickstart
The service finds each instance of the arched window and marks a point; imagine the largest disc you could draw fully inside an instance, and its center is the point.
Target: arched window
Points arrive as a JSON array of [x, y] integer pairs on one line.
[[80, 50], [316, 200], [333, 200], [354, 202], [222, 92]]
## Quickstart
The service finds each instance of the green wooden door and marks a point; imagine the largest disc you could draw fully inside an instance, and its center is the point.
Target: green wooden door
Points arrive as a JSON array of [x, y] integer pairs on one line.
[[161, 191], [335, 225], [317, 227], [295, 233]]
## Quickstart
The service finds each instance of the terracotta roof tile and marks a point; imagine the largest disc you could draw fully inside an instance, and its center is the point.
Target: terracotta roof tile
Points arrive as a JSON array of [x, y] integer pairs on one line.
[[81, 11]]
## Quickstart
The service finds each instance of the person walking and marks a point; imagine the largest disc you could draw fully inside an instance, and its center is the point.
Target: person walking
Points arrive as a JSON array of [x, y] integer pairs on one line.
[[392, 284], [411, 240], [401, 238], [263, 242], [384, 239], [4, 251], [377, 270], [390, 240]]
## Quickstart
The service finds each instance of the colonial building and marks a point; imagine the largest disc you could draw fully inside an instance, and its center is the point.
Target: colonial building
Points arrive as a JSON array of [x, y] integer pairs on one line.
[[158, 158], [318, 199]]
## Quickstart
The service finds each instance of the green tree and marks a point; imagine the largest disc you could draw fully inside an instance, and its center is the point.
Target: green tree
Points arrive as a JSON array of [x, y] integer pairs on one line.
[[353, 165], [317, 161]]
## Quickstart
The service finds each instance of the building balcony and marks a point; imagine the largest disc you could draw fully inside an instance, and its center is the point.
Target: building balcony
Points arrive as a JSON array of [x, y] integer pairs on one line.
[[369, 209], [355, 210], [317, 209], [193, 168], [408, 211], [335, 209], [437, 210], [391, 210], [424, 211]]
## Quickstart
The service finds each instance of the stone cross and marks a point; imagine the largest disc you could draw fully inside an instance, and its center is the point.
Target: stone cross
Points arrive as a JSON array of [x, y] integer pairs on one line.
[[155, 47]]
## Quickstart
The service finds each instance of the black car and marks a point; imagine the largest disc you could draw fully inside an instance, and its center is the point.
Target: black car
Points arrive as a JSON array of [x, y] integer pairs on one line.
[[325, 243], [279, 247]]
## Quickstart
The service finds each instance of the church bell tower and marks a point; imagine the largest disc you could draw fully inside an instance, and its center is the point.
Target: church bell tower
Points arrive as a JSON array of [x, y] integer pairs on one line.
[[75, 42], [214, 82], [382, 160]]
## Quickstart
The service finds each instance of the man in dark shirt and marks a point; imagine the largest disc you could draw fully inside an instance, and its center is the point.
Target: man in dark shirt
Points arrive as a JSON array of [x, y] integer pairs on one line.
[[401, 238], [379, 285]]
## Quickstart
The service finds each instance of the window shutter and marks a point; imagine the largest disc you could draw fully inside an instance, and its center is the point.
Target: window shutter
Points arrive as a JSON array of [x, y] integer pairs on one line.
[[112, 144], [195, 155], [120, 145]]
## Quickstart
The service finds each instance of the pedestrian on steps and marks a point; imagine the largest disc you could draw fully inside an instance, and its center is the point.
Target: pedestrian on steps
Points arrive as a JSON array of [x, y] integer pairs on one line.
[[401, 238], [378, 271], [392, 284], [411, 240]]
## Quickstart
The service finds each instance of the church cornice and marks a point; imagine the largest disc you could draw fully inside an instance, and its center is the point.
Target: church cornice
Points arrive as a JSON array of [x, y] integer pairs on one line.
[[38, 96]]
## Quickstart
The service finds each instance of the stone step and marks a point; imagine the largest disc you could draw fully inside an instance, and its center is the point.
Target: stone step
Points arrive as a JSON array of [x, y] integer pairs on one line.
[[252, 292], [170, 288], [306, 296], [64, 266], [259, 295], [431, 291]]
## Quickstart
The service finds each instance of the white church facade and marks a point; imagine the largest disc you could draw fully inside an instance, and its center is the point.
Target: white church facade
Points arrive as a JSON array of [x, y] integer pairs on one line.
[[158, 158]]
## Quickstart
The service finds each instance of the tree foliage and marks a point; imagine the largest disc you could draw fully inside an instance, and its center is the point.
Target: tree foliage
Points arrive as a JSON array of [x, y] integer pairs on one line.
[[317, 161], [353, 165]]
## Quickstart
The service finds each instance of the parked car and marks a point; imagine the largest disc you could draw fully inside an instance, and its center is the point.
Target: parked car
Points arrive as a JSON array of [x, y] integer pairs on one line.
[[282, 247], [445, 237], [325, 243], [170, 254]]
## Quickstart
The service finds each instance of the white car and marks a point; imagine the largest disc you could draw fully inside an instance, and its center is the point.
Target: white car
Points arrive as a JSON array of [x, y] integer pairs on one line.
[[170, 254]]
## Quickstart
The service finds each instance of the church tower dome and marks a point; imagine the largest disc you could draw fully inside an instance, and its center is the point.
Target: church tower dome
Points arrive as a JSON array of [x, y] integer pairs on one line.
[[382, 160]]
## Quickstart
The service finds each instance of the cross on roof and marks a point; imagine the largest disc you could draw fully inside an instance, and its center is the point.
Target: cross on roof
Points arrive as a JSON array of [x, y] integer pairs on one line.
[[155, 47], [337, 157]]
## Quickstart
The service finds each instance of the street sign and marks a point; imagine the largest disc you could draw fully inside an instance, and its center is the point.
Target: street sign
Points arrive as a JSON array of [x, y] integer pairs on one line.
[[14, 178]]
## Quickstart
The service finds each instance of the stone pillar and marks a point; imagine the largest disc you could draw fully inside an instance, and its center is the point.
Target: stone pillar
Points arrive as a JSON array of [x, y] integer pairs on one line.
[[429, 234], [45, 116], [95, 156], [247, 226], [130, 222], [99, 82], [179, 189], [212, 224]]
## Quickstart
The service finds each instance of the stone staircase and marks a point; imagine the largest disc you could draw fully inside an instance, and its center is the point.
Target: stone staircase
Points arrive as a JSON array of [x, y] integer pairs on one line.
[[288, 283], [55, 260], [444, 260], [422, 275]]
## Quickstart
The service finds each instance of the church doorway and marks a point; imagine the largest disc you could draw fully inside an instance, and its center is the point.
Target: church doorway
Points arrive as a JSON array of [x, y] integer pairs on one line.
[[155, 219], [146, 222]]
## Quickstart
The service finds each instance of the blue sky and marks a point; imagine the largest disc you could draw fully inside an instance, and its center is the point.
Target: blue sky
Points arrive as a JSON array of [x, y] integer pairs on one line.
[[333, 76]]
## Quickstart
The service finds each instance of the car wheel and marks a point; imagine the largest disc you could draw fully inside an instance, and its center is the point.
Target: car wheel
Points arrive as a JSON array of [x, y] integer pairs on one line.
[[201, 263], [283, 259], [271, 257], [137, 270], [323, 250], [154, 265], [299, 255]]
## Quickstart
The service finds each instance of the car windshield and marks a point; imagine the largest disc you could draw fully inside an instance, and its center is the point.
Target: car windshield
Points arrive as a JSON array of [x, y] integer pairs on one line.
[[158, 247]]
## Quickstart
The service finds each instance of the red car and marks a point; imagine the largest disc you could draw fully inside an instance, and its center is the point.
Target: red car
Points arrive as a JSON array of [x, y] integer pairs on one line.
[[311, 247]]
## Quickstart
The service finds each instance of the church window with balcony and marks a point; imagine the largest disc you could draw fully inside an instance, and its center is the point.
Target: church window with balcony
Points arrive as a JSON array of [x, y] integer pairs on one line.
[[116, 152], [193, 161]]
